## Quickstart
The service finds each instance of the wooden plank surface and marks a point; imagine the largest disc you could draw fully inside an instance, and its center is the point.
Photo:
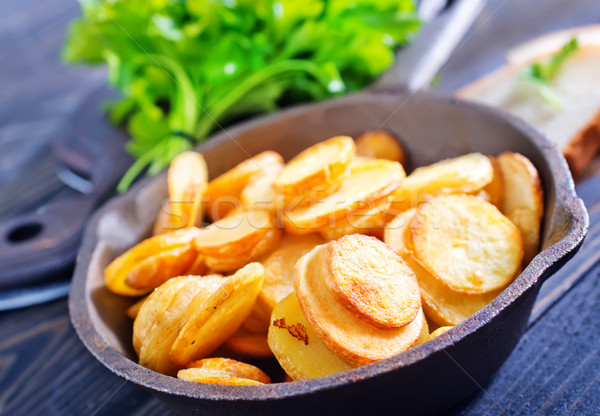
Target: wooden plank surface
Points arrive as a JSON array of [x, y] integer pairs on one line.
[[44, 369]]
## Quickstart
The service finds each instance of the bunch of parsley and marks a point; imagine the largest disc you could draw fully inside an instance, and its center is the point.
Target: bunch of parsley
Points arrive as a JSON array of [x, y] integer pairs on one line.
[[187, 67]]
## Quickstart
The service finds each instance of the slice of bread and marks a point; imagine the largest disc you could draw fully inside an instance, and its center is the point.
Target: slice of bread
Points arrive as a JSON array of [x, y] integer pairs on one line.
[[574, 128]]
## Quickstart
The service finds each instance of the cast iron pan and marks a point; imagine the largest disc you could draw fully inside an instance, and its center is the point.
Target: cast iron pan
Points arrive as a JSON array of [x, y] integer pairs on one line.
[[423, 380]]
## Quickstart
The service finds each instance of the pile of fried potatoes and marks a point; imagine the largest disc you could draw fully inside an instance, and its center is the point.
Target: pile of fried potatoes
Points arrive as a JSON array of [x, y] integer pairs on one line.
[[333, 260]]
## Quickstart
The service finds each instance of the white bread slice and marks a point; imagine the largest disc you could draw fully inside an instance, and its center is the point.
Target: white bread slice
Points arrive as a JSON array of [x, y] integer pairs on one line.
[[575, 128]]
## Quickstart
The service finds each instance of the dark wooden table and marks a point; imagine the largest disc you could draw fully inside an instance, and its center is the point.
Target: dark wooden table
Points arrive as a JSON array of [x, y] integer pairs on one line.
[[44, 369]]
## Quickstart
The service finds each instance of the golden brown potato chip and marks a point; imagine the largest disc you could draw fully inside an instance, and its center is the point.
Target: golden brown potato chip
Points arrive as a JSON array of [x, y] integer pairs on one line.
[[258, 320], [163, 315], [298, 349], [397, 233], [318, 170], [233, 367], [371, 280], [219, 317], [134, 309], [495, 189], [441, 304], [463, 174], [198, 267], [158, 268], [223, 371], [279, 267], [366, 182], [369, 221], [466, 243], [234, 262], [166, 221], [208, 376], [348, 336], [260, 192], [236, 240], [155, 305], [439, 331], [249, 344], [424, 335], [234, 234], [118, 270], [380, 144], [223, 193], [187, 180], [523, 200], [210, 283]]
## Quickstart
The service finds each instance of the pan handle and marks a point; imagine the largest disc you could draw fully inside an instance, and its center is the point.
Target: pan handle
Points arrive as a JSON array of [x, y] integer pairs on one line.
[[416, 64]]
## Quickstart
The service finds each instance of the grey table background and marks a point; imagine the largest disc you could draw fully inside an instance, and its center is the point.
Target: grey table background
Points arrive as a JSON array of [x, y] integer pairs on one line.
[[44, 369]]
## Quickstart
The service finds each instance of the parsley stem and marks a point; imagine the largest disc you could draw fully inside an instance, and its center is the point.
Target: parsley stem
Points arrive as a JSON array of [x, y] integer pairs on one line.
[[214, 114], [138, 166], [185, 113]]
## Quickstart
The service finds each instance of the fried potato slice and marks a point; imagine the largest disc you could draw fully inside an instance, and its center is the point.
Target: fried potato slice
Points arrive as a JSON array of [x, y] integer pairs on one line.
[[348, 336], [235, 240], [211, 284], [368, 181], [441, 304], [233, 367], [297, 347], [466, 243], [495, 189], [157, 269], [424, 335], [155, 305], [223, 192], [369, 221], [198, 267], [219, 317], [187, 179], [371, 280], [258, 320], [317, 170], [162, 316], [234, 234], [166, 221], [524, 200], [260, 192], [397, 233], [223, 371], [208, 376], [279, 267], [463, 174], [234, 262], [439, 331], [117, 272], [249, 344], [380, 144], [134, 309]]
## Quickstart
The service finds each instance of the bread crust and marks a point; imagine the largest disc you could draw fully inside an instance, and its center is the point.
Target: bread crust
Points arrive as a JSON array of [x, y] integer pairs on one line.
[[583, 147]]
